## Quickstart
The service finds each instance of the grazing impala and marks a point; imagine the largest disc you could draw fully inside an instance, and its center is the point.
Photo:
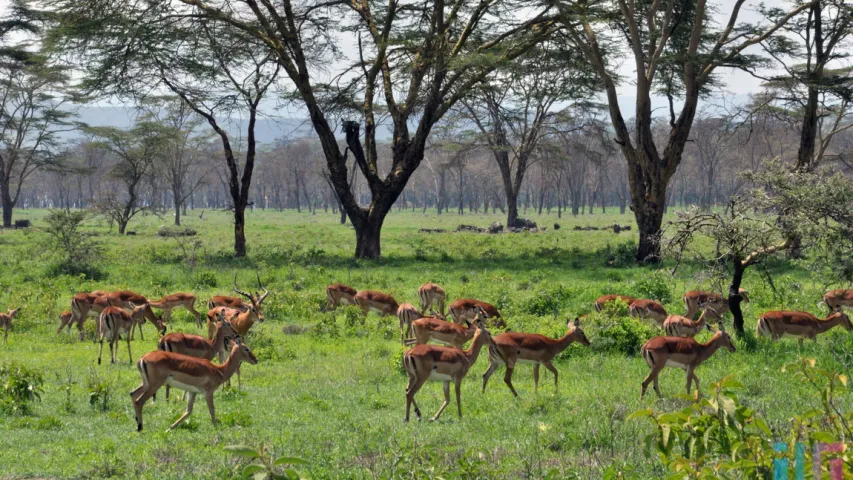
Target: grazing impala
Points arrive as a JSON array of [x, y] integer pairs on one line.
[[648, 310], [696, 300], [6, 322], [678, 326], [445, 364], [130, 300], [65, 320], [407, 313], [177, 300], [190, 374], [431, 294], [467, 308], [255, 300], [838, 299], [684, 353], [338, 294], [113, 322], [510, 348], [453, 334], [81, 307], [378, 301], [198, 346], [605, 299], [799, 324]]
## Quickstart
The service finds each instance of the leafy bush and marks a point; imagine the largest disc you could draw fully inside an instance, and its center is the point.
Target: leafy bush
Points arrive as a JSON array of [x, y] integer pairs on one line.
[[547, 302], [620, 256], [206, 279], [76, 250], [264, 465], [20, 386], [99, 391], [655, 286], [618, 334]]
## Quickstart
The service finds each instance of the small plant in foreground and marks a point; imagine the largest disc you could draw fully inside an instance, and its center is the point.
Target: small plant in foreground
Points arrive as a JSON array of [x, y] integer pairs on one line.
[[20, 386], [265, 466]]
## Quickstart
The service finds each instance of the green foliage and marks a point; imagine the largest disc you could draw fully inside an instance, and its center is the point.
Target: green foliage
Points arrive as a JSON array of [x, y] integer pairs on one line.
[[264, 465], [77, 251], [99, 390], [619, 256], [617, 333], [655, 286], [547, 301], [20, 386]]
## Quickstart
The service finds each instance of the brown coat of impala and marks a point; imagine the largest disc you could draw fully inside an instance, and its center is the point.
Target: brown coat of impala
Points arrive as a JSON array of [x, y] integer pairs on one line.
[[648, 310], [430, 294], [81, 308], [407, 313], [377, 301], [241, 321], [441, 331], [177, 300], [114, 321], [467, 308], [254, 300], [6, 322], [835, 300], [190, 374], [605, 299], [130, 300], [684, 353], [778, 324], [339, 294], [511, 348], [678, 326], [444, 364], [696, 300]]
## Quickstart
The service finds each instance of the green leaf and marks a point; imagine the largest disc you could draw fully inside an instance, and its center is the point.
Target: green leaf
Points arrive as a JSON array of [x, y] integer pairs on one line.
[[647, 412], [728, 405], [664, 435], [289, 461], [242, 451], [252, 469], [260, 476], [762, 425], [824, 437]]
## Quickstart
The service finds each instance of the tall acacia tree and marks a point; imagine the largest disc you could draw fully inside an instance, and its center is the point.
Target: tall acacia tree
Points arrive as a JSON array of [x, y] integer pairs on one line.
[[413, 62], [675, 51]]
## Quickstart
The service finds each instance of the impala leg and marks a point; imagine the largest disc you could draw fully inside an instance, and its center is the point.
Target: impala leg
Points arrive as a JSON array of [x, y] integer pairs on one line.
[[653, 376], [508, 379], [535, 378], [458, 387], [129, 355], [446, 401], [415, 384], [696, 381], [100, 347], [141, 336], [195, 313], [5, 333], [113, 348], [690, 379], [139, 401], [210, 407], [552, 369], [492, 367], [190, 402]]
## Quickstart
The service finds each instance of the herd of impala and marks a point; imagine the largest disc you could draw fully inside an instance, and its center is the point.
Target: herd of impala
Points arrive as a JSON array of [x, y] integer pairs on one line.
[[184, 361]]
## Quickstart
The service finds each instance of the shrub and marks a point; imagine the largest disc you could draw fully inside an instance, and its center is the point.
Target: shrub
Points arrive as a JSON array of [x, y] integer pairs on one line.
[[265, 465], [206, 279], [546, 302], [76, 250], [618, 333], [655, 287], [20, 386], [622, 255], [99, 391]]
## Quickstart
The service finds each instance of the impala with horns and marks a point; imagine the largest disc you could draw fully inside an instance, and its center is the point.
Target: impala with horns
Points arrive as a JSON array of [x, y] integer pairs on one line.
[[130, 300], [190, 374], [802, 325], [444, 364], [339, 294], [605, 299], [678, 326], [198, 346], [467, 308], [177, 300], [696, 300], [407, 313], [380, 302], [684, 353], [441, 331], [836, 300], [6, 322], [113, 322], [255, 300], [430, 294], [511, 348], [648, 310], [81, 308], [242, 322]]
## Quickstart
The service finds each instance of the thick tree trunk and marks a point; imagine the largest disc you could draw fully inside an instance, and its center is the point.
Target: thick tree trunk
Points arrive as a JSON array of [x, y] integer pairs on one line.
[[239, 230], [367, 235], [511, 210], [6, 197], [735, 298]]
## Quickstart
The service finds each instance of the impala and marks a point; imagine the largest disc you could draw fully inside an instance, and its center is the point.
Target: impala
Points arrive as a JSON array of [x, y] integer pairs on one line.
[[338, 294], [431, 294], [696, 300], [837, 299], [65, 319], [445, 364], [255, 300], [467, 308], [198, 346], [190, 374], [678, 326], [177, 300], [130, 300], [241, 321], [378, 301], [648, 310], [113, 322], [448, 333], [81, 307], [510, 348], [684, 353], [407, 313], [6, 322], [799, 324], [605, 299]]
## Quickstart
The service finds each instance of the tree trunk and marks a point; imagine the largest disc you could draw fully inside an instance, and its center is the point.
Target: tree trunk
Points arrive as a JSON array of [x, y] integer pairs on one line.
[[122, 226], [239, 230], [6, 197], [735, 298], [511, 210]]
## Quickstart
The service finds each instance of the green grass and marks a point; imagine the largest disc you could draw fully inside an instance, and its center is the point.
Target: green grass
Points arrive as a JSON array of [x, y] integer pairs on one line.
[[332, 392]]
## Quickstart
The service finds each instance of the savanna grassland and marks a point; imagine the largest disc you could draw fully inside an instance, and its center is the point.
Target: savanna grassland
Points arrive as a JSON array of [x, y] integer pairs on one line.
[[329, 388]]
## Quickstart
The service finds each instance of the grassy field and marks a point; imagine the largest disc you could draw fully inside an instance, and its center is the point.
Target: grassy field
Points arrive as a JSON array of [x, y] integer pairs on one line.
[[329, 388]]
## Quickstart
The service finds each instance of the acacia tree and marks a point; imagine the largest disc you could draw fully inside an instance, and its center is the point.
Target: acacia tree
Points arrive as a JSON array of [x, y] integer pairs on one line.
[[415, 61], [676, 51]]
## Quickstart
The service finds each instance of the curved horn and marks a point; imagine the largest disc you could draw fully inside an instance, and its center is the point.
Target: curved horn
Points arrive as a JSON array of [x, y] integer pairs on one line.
[[266, 292], [237, 290]]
